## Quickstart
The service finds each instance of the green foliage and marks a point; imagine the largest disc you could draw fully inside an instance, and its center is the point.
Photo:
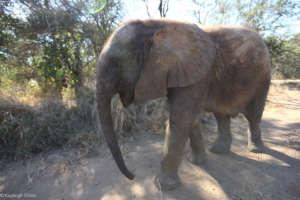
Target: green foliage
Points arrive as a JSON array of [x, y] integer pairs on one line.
[[263, 15], [276, 45], [51, 47], [9, 30], [285, 56], [260, 15], [54, 43], [59, 64]]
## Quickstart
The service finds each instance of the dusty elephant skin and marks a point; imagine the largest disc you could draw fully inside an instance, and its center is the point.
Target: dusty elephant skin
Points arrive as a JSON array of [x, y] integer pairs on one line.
[[224, 70]]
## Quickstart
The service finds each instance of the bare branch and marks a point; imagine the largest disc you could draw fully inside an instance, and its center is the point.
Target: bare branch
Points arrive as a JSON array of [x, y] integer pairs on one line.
[[163, 8], [147, 8]]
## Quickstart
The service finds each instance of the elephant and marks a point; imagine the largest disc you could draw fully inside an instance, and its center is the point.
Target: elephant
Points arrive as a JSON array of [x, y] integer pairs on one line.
[[225, 70]]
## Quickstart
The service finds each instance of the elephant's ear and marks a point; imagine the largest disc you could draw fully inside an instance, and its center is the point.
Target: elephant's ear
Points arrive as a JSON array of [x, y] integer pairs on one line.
[[181, 55]]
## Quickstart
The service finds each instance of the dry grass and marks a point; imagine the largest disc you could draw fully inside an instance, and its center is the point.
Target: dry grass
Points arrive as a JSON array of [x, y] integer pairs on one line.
[[30, 125], [27, 129]]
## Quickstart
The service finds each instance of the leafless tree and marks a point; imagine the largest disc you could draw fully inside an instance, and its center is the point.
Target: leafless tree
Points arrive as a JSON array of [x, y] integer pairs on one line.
[[204, 9], [163, 8], [147, 7]]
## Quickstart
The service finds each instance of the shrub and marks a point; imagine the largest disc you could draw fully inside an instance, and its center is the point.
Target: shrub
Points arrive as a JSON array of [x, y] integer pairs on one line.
[[26, 130]]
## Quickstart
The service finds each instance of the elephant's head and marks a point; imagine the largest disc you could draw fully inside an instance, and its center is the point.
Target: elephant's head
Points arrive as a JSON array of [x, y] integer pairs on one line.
[[141, 60]]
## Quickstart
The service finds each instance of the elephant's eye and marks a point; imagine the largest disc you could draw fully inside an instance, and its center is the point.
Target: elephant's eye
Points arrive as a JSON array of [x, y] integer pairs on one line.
[[115, 62]]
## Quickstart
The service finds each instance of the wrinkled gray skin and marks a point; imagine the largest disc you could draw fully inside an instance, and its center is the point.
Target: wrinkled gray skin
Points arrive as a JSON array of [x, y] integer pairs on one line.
[[224, 70]]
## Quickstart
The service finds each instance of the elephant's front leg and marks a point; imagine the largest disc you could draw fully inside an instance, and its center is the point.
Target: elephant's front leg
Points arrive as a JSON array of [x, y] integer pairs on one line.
[[175, 140], [182, 112], [198, 155]]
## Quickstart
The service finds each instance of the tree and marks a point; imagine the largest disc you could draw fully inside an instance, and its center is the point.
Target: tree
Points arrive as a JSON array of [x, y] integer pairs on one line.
[[147, 7], [163, 8], [262, 15], [285, 56], [203, 10], [12, 54], [259, 15], [60, 40]]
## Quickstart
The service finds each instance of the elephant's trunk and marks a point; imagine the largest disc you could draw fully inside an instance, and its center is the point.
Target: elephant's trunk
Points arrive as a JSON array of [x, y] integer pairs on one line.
[[107, 86], [104, 114]]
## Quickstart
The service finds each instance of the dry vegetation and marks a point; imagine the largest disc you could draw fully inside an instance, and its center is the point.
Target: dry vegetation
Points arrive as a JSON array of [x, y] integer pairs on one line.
[[32, 125], [28, 128]]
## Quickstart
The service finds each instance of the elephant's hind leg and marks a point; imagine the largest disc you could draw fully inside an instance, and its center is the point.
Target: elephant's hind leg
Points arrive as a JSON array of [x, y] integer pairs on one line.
[[253, 114], [224, 139], [255, 143]]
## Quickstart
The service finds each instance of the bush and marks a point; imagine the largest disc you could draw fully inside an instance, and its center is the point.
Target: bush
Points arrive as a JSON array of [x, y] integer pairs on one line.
[[26, 130], [285, 56]]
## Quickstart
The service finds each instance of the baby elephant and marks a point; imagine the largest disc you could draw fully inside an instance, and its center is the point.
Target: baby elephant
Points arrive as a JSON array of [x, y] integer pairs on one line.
[[224, 70]]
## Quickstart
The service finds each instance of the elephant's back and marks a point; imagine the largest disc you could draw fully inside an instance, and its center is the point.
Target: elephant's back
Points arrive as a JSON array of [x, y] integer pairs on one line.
[[240, 47], [241, 53], [243, 66]]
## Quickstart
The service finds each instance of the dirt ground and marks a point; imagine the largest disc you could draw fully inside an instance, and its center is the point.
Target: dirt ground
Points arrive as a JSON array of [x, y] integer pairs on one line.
[[239, 175]]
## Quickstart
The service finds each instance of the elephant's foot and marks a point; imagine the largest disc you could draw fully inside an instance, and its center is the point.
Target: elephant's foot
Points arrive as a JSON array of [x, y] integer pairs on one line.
[[221, 146], [197, 159], [166, 182], [257, 147]]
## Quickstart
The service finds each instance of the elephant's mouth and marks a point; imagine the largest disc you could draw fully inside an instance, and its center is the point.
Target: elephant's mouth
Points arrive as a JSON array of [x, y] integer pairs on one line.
[[126, 98]]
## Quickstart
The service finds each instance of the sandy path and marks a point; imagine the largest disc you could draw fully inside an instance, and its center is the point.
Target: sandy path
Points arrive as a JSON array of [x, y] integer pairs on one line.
[[273, 175]]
